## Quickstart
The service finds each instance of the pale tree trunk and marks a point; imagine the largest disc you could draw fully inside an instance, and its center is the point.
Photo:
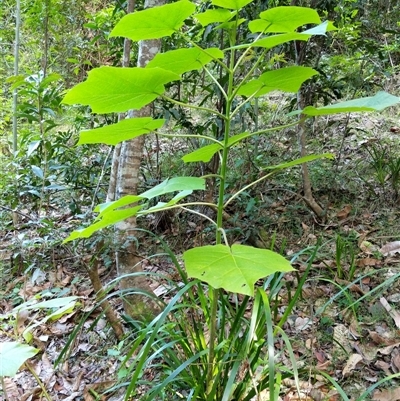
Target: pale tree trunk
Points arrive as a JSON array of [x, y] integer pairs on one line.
[[125, 179], [300, 51]]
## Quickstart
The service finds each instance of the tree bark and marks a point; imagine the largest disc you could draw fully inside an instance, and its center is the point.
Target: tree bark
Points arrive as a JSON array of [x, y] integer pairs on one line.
[[133, 285]]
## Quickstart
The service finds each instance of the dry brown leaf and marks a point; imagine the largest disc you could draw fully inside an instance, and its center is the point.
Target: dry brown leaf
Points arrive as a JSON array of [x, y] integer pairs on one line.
[[388, 350], [351, 364], [392, 312], [344, 213], [369, 262], [383, 366], [392, 394], [11, 389], [380, 340], [353, 287], [395, 362], [390, 248]]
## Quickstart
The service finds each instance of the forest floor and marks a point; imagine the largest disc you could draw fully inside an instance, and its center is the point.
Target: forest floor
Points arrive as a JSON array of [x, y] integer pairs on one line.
[[347, 323]]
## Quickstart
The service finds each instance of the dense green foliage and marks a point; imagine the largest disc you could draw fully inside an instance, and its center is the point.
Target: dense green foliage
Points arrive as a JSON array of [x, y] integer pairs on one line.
[[221, 63]]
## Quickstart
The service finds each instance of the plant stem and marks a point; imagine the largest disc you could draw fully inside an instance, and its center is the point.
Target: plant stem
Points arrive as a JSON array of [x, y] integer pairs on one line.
[[220, 209]]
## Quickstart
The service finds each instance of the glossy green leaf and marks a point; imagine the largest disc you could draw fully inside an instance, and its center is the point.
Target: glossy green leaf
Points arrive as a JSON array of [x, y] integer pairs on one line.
[[377, 102], [231, 24], [163, 205], [284, 19], [205, 153], [122, 131], [12, 356], [175, 184], [271, 41], [119, 203], [276, 40], [321, 29], [114, 212], [184, 60], [301, 160], [114, 89], [236, 268], [155, 22], [214, 15], [231, 4], [38, 172], [105, 220], [285, 79]]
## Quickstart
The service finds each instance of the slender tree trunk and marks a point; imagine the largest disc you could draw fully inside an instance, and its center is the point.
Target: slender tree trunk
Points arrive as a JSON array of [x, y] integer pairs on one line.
[[127, 163], [300, 51], [15, 91]]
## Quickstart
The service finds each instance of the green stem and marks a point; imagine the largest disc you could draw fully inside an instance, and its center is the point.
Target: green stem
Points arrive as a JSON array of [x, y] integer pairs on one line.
[[220, 209]]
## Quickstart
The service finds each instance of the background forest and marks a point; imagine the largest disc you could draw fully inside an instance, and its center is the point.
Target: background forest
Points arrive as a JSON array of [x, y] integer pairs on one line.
[[216, 230]]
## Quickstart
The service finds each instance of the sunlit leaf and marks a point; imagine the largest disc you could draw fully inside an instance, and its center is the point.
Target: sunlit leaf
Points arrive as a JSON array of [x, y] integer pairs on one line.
[[107, 219], [284, 19], [214, 15], [236, 268], [377, 102], [163, 205], [154, 22], [285, 79], [122, 131], [175, 184], [38, 172], [205, 153], [184, 60], [113, 89], [276, 40], [12, 356], [231, 4]]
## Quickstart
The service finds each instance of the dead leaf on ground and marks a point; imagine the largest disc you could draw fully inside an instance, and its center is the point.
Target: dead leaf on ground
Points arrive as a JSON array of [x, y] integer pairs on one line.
[[381, 340], [390, 248], [11, 389], [369, 262], [351, 364], [344, 213], [392, 312], [392, 394]]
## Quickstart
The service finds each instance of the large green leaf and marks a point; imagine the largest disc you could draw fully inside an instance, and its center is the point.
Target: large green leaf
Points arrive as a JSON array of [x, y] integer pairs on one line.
[[377, 102], [184, 60], [114, 212], [285, 79], [236, 268], [155, 22], [163, 205], [175, 184], [231, 4], [271, 41], [12, 356], [214, 15], [104, 220], [122, 131], [113, 89], [284, 19], [205, 153]]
